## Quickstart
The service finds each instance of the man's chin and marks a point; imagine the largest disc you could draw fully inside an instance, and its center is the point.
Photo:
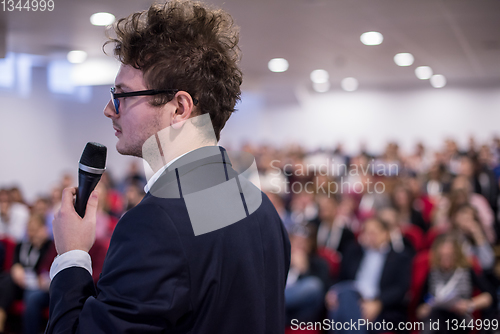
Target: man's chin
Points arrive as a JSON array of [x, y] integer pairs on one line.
[[127, 151]]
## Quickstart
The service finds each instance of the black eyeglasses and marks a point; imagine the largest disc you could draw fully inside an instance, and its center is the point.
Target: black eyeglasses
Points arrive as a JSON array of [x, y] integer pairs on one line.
[[116, 102]]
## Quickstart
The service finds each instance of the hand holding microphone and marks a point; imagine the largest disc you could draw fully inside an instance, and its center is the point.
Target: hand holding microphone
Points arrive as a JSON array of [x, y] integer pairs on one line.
[[71, 231]]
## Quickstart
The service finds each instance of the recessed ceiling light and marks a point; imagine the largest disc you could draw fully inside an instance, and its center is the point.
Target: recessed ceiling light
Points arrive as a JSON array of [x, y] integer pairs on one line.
[[278, 65], [321, 87], [423, 72], [76, 56], [319, 76], [102, 19], [404, 59], [349, 84], [371, 38], [438, 81]]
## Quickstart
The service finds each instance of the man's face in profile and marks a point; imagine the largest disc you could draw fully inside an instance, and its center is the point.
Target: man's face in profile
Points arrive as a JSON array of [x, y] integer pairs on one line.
[[137, 120]]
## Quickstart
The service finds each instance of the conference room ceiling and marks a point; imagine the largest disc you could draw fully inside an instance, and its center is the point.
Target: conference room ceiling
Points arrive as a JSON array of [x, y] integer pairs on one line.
[[459, 39]]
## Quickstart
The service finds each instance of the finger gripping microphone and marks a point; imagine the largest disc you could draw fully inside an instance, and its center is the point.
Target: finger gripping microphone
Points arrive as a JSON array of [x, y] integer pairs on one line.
[[92, 165]]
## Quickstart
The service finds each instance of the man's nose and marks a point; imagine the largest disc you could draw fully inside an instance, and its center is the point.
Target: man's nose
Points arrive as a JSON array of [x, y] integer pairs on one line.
[[109, 110]]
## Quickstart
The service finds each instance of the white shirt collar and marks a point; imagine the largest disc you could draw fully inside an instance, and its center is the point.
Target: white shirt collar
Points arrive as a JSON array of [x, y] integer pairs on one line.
[[157, 175]]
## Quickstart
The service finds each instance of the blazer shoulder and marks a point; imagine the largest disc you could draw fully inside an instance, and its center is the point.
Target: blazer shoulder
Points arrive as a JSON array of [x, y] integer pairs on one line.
[[147, 216]]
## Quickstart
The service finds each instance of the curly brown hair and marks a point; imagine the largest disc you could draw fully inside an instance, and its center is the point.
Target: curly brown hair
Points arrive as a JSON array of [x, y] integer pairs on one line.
[[461, 260], [188, 46]]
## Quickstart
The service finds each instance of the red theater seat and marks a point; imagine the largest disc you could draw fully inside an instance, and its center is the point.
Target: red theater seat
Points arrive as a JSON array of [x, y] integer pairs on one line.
[[10, 247], [98, 254], [420, 270], [332, 258], [415, 235], [17, 308]]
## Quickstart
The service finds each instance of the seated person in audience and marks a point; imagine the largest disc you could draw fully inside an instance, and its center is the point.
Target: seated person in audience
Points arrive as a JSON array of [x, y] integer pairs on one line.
[[461, 193], [402, 199], [279, 205], [477, 168], [13, 217], [303, 207], [29, 276], [398, 241], [16, 196], [466, 225], [134, 193], [422, 201], [374, 280], [113, 199], [55, 205], [134, 175], [447, 292], [437, 181], [347, 209], [308, 277], [103, 219], [333, 232], [41, 207]]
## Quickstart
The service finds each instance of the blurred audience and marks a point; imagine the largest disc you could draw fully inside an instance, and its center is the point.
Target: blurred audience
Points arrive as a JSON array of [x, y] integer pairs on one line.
[[29, 276], [417, 196], [369, 214]]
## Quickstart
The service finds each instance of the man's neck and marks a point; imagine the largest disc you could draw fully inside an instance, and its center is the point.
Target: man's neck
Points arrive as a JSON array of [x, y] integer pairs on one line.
[[160, 170], [167, 158]]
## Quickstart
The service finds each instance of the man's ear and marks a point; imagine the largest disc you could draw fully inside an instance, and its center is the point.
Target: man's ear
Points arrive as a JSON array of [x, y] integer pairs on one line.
[[184, 109]]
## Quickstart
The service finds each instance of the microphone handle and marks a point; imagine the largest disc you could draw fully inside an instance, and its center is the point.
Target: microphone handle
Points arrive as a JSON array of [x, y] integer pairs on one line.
[[86, 184]]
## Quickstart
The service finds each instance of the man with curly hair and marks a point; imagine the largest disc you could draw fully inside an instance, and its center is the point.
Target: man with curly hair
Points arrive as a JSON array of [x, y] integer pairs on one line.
[[162, 274]]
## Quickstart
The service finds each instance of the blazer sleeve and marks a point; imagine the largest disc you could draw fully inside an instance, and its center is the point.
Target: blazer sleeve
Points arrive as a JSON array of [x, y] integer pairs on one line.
[[144, 286], [351, 259], [393, 291], [479, 282]]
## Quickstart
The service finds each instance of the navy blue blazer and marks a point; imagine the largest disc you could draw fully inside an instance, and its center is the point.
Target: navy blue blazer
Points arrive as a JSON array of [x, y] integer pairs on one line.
[[158, 277]]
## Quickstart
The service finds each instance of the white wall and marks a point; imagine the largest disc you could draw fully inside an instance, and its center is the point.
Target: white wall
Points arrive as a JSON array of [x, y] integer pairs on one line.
[[43, 135], [374, 117]]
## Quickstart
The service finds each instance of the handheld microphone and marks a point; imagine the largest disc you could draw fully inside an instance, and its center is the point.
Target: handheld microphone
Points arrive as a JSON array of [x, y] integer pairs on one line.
[[92, 165]]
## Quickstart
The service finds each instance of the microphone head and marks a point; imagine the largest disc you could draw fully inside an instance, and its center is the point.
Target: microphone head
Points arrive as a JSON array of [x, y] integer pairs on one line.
[[94, 155]]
